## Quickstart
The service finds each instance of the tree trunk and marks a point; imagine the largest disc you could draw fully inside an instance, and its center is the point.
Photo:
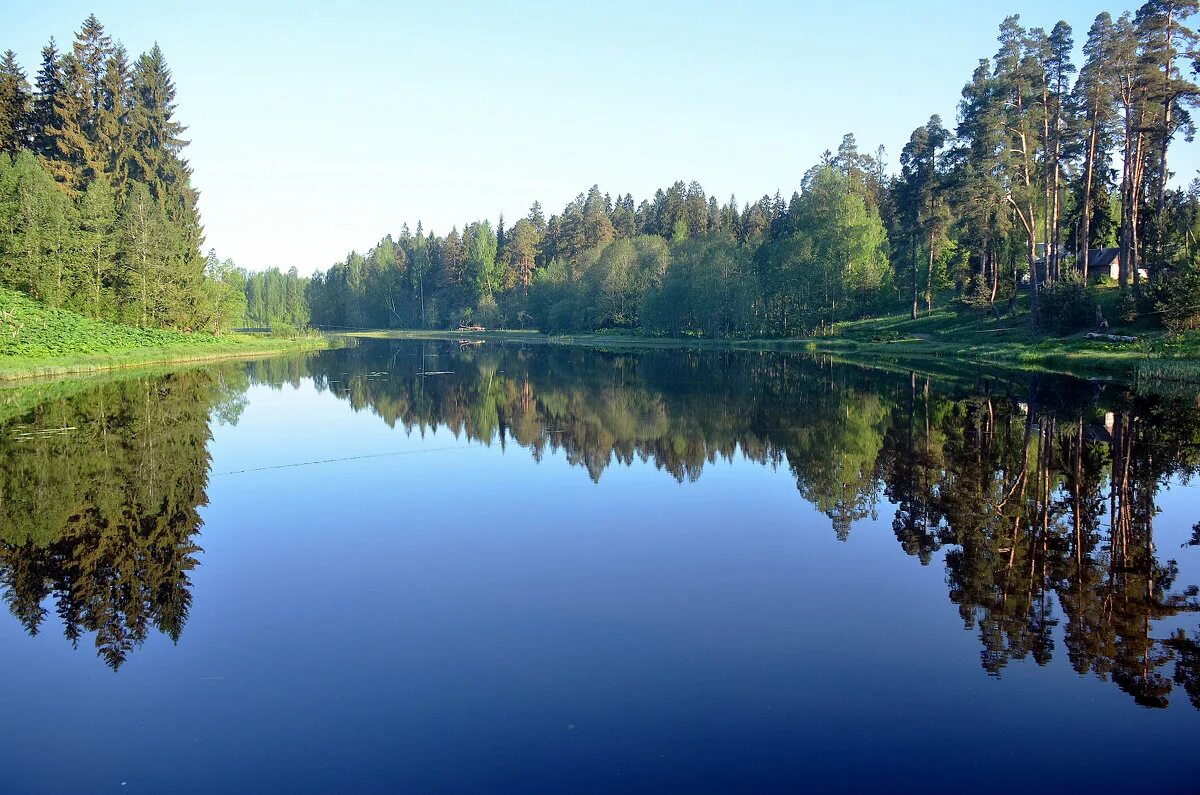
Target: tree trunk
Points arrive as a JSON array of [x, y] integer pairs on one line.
[[1136, 187], [1168, 107], [916, 288], [1031, 253], [929, 277], [1089, 175]]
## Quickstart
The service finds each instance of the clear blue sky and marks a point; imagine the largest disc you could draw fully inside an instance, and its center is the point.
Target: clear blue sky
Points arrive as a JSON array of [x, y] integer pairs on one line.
[[318, 128]]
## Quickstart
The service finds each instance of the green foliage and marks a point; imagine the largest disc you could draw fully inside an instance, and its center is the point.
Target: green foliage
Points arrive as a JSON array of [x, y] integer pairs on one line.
[[226, 294], [1067, 306], [97, 211], [106, 508], [32, 330], [710, 287], [1178, 299]]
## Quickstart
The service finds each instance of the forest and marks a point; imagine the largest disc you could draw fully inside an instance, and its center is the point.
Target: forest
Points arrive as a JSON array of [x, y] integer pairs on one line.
[[1053, 183], [97, 210], [1050, 168]]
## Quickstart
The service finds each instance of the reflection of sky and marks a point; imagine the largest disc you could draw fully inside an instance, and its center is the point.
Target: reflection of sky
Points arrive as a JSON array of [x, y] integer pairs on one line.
[[449, 619]]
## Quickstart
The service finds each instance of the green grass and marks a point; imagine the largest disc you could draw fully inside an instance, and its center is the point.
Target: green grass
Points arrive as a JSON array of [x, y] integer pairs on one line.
[[939, 340], [37, 340], [1010, 341]]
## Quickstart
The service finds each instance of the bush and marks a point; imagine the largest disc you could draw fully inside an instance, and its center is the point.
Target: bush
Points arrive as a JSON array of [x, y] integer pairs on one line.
[[284, 331], [488, 314], [1178, 299], [1067, 305], [1127, 308]]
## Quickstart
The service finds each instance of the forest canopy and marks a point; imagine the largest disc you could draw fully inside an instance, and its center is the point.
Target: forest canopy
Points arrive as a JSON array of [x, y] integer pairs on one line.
[[1053, 181], [1055, 177]]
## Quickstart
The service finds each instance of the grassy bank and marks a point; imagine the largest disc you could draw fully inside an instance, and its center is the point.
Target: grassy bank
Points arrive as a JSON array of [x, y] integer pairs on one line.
[[1010, 341], [38, 341], [934, 341]]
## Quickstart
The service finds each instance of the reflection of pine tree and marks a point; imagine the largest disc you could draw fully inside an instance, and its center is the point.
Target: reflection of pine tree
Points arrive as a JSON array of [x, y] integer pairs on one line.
[[101, 517], [1042, 536], [1016, 489]]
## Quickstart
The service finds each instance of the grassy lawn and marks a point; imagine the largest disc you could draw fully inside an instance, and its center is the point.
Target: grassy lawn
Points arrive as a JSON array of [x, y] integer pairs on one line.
[[36, 340]]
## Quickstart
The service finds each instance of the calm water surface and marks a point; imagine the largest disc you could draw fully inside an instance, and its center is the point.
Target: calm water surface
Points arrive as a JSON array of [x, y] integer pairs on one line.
[[415, 567]]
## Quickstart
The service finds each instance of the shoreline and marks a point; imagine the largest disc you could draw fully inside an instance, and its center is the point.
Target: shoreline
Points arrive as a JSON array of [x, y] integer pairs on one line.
[[1071, 356], [14, 370]]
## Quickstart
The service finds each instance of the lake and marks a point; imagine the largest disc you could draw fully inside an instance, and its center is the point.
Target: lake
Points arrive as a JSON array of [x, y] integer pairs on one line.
[[415, 566]]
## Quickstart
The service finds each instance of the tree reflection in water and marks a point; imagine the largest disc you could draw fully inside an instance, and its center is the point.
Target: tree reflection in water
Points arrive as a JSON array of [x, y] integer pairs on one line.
[[1038, 491]]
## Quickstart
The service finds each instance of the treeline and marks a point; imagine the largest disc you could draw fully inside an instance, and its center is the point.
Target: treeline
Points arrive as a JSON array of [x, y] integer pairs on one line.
[[679, 263], [1049, 163], [262, 299], [97, 210]]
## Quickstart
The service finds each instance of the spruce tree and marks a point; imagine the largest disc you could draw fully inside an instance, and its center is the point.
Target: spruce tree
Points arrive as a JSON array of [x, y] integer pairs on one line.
[[14, 105], [43, 116], [91, 49], [77, 159], [115, 130]]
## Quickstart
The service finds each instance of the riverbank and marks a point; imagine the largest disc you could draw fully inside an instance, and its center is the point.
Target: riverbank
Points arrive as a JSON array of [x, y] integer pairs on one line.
[[37, 341], [934, 341]]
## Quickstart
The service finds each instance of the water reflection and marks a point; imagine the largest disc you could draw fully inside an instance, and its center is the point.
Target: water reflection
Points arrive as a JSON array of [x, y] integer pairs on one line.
[[99, 492], [1041, 493]]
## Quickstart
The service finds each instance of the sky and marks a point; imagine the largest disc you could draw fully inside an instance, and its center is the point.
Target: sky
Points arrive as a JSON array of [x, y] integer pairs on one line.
[[319, 128]]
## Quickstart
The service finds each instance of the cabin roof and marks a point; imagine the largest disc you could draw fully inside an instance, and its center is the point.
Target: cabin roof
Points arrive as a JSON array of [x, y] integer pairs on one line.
[[1102, 257]]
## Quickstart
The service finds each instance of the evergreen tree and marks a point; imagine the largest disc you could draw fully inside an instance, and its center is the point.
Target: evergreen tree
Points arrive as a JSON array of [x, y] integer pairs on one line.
[[918, 200], [44, 117], [14, 105], [98, 244], [1165, 42], [1095, 97], [115, 134]]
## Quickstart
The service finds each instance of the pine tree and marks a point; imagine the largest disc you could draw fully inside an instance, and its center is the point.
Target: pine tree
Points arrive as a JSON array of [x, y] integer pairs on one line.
[[978, 186], [1128, 73], [1095, 96], [14, 105], [1017, 75], [1058, 70], [43, 116], [115, 130], [1165, 40], [919, 198]]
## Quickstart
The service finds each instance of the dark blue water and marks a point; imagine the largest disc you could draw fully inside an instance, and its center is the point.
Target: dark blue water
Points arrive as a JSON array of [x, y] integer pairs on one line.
[[410, 567]]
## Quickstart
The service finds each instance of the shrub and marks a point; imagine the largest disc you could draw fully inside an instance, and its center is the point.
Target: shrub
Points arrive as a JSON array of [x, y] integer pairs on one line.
[[488, 314], [1127, 308], [1178, 299], [1067, 305]]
